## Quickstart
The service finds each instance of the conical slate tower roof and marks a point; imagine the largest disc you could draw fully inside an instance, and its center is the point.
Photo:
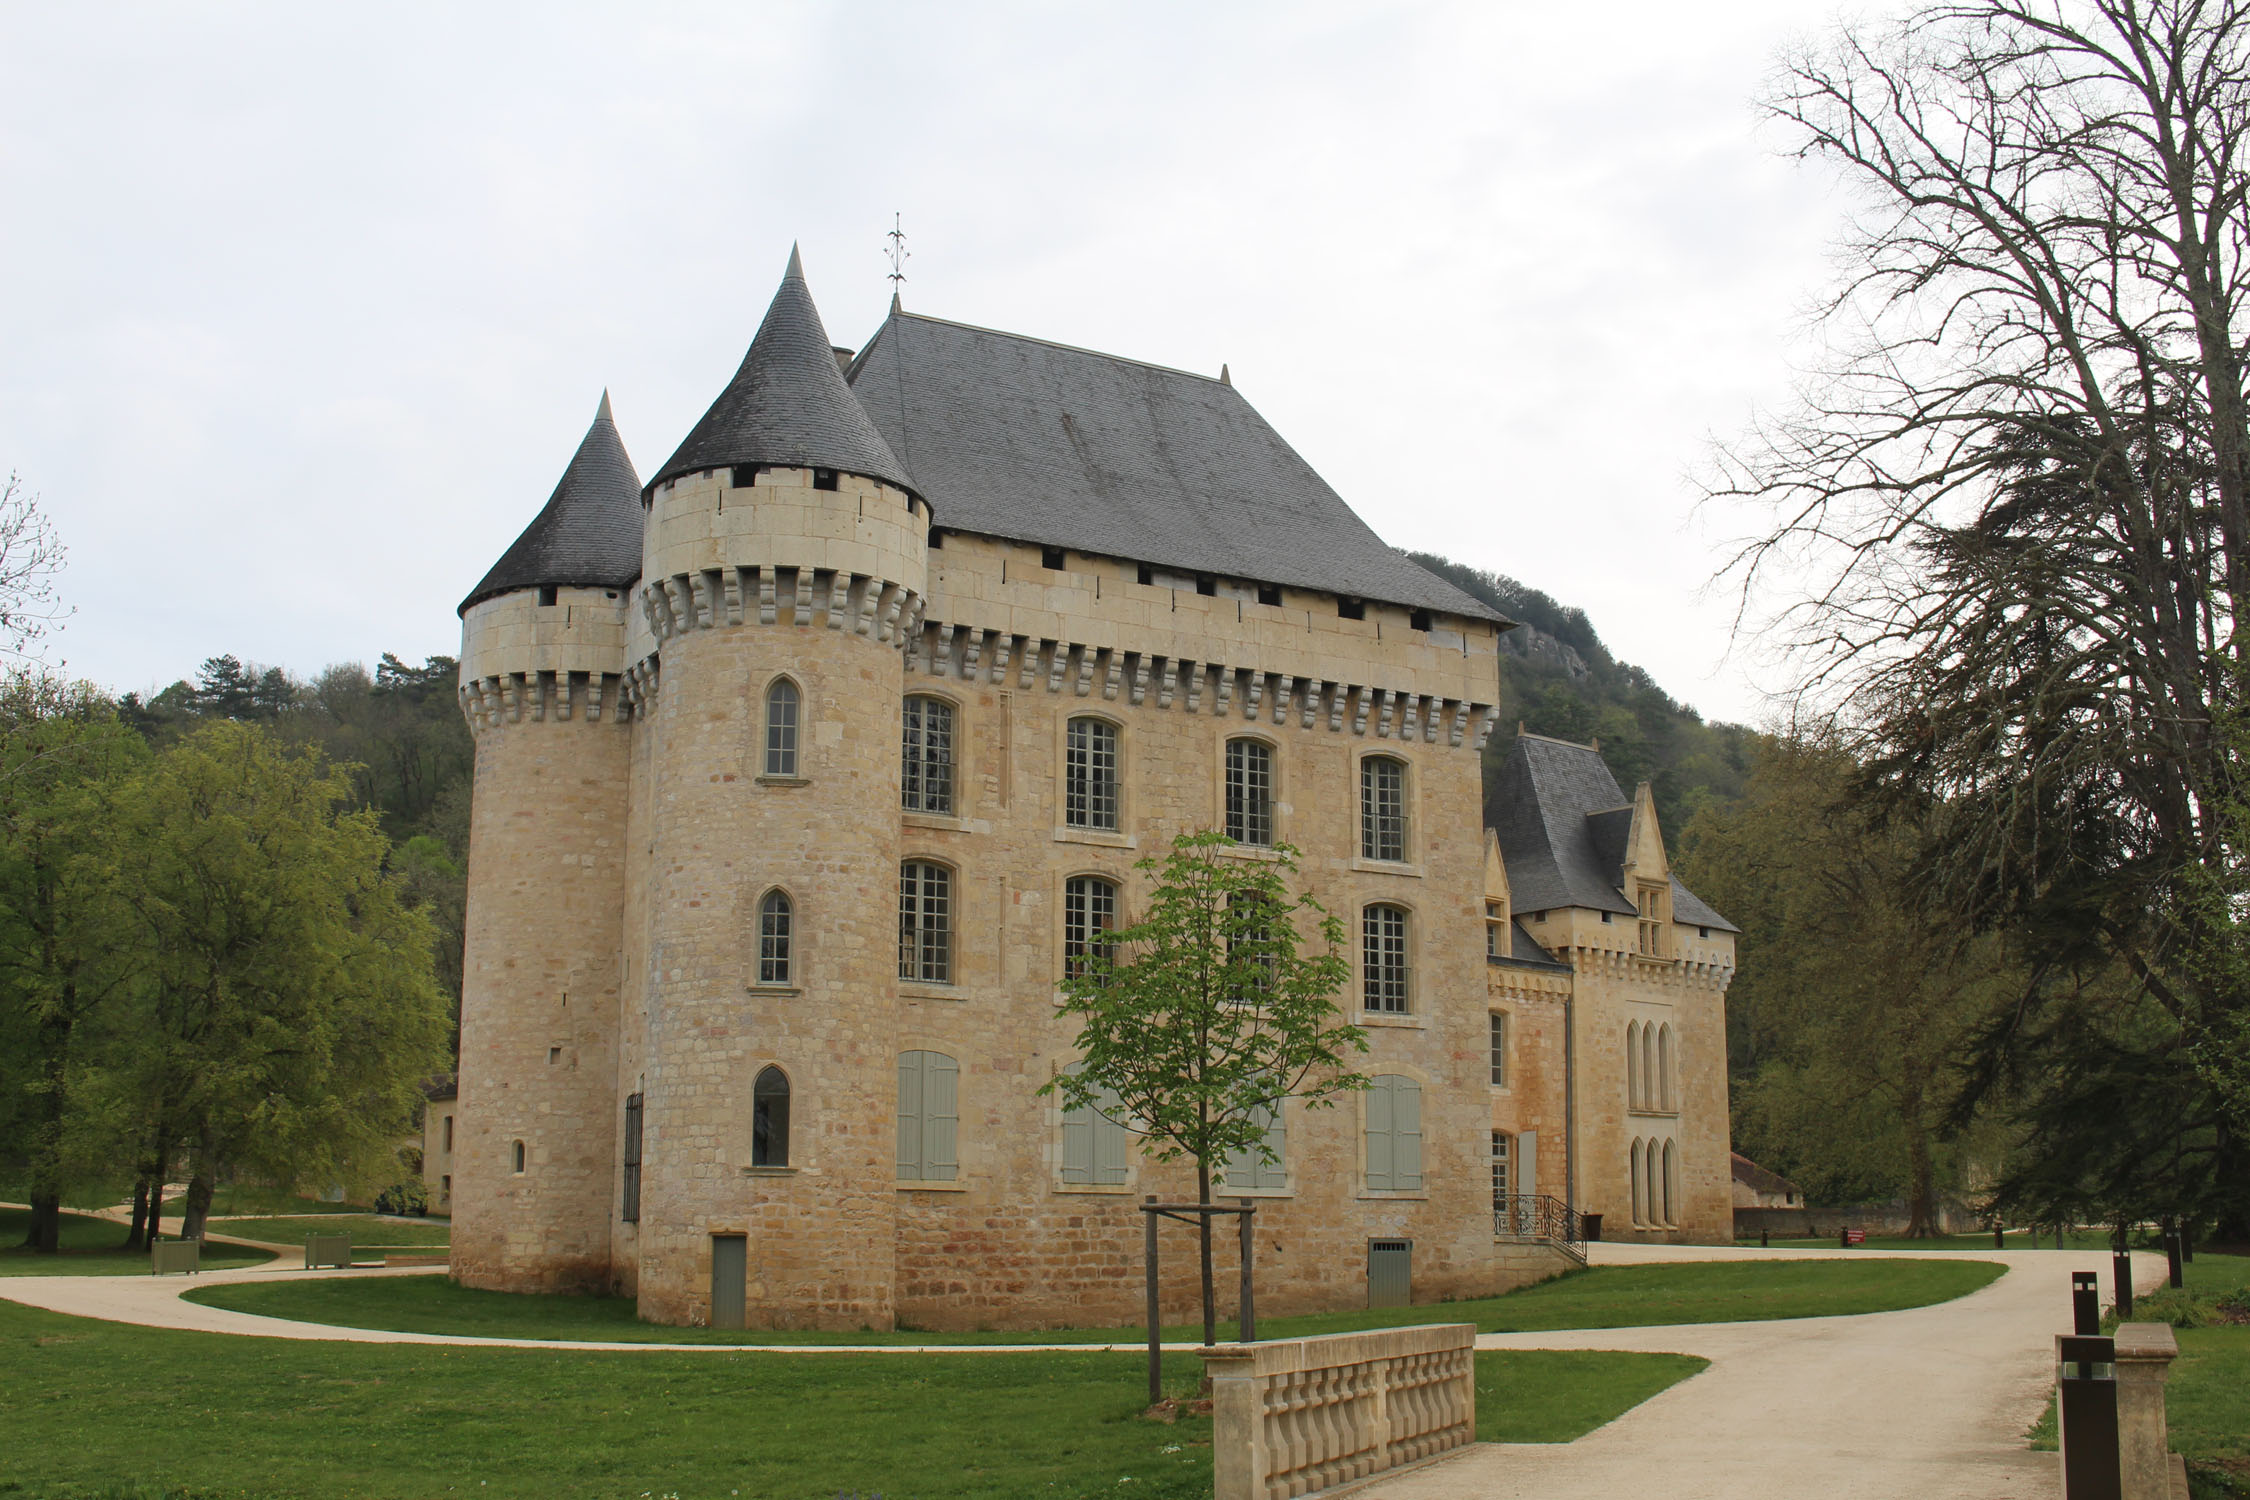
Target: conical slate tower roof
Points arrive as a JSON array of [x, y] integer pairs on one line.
[[788, 404], [589, 536]]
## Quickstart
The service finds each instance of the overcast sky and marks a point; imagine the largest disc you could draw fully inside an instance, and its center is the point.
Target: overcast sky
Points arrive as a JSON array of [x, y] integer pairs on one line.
[[307, 306]]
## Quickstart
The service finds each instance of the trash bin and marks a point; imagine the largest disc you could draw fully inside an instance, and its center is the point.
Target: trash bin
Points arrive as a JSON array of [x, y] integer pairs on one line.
[[1592, 1225], [2086, 1416]]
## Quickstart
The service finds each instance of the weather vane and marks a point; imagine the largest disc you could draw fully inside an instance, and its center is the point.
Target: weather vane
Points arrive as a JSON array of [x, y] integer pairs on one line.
[[898, 253]]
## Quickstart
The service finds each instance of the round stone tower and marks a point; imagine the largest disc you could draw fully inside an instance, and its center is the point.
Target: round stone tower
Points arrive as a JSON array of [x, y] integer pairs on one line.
[[784, 569], [543, 649]]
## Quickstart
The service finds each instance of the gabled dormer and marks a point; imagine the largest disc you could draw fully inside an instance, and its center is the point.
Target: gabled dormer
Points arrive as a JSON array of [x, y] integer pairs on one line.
[[1498, 942], [1645, 877]]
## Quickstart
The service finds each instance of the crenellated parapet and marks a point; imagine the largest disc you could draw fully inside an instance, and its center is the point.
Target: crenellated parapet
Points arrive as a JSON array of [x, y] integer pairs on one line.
[[537, 655], [881, 609], [1190, 685]]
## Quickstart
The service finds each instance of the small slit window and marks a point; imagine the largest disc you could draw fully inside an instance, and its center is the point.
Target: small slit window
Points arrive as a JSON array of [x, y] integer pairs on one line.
[[1351, 609], [769, 1119], [745, 475], [781, 728], [777, 919], [629, 1210], [547, 593], [516, 1158], [1419, 619], [1269, 593], [1144, 574], [1051, 558], [824, 479], [1206, 585]]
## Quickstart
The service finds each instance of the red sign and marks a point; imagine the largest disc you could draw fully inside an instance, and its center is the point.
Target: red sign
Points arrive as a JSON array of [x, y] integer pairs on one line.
[[1855, 1236]]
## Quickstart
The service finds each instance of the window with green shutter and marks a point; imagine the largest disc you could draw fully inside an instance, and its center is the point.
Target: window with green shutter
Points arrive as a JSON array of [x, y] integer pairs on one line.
[[1095, 1142], [1246, 1171], [1394, 1134], [929, 1117]]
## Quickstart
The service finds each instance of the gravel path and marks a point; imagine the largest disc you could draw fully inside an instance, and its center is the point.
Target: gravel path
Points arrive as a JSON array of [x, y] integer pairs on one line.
[[1930, 1403]]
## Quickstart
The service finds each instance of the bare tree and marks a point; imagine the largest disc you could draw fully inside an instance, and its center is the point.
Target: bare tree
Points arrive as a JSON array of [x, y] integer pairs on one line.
[[31, 556], [2007, 525]]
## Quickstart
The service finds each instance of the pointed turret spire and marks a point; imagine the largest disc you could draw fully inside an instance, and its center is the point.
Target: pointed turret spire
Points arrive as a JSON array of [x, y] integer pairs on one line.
[[589, 534], [1226, 377], [788, 403]]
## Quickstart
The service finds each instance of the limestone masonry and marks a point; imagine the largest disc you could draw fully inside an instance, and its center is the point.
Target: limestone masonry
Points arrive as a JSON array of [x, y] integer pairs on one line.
[[804, 768]]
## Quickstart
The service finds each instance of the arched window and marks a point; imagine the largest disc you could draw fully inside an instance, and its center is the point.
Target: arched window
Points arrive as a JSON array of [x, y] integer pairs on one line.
[[1648, 1066], [1640, 1187], [1667, 1085], [926, 757], [1089, 910], [1382, 808], [517, 1155], [1250, 792], [925, 922], [1383, 966], [776, 919], [929, 1117], [1394, 1133], [1090, 774], [1632, 1065], [1671, 1183], [781, 728], [1652, 1194], [769, 1119], [1095, 1140]]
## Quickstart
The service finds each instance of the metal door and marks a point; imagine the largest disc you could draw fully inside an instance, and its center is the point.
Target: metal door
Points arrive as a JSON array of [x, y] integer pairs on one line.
[[730, 1279], [1390, 1273]]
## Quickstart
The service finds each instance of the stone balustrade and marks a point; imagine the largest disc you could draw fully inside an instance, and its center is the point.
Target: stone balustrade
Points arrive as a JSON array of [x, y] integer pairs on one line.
[[1300, 1416], [2147, 1468]]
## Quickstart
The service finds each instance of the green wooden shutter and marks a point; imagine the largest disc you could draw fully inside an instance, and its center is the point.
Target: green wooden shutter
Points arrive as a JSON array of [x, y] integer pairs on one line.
[[1276, 1175], [1406, 1133], [1109, 1139], [941, 1117], [1078, 1143], [909, 1116], [1379, 1143]]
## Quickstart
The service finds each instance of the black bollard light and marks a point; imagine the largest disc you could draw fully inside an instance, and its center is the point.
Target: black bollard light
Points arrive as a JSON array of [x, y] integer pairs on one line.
[[2085, 1303], [1765, 1239], [2172, 1253], [2121, 1283], [1999, 1238]]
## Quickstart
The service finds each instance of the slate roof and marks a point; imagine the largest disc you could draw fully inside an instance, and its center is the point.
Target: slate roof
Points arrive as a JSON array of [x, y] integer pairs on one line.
[[1562, 821], [1036, 442], [1760, 1179], [788, 403], [1525, 951], [589, 534]]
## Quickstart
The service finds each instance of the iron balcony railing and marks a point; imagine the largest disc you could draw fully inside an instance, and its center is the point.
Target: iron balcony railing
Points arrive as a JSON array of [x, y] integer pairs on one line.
[[1538, 1218]]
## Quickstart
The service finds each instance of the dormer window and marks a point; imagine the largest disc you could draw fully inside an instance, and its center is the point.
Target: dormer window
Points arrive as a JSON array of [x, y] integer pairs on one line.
[[1655, 905], [1496, 943]]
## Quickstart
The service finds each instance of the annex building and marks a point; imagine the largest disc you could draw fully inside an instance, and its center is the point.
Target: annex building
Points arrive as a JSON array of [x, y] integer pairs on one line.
[[804, 767]]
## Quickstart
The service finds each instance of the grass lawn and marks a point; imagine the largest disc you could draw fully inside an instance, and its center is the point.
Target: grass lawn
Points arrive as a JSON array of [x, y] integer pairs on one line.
[[2207, 1398], [365, 1230], [95, 1409], [1603, 1297], [93, 1247]]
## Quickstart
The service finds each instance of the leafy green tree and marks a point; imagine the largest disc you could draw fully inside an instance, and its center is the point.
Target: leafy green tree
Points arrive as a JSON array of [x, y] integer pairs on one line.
[[1205, 1016], [292, 1007], [1854, 1000], [63, 949]]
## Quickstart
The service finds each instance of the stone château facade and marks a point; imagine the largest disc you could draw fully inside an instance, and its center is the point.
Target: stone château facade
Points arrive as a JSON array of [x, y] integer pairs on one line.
[[802, 768]]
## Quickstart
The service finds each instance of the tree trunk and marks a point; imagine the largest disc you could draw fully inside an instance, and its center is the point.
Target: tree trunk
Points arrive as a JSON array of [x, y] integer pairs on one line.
[[196, 1207], [1203, 1246], [136, 1238], [1921, 1191], [46, 1224], [160, 1169]]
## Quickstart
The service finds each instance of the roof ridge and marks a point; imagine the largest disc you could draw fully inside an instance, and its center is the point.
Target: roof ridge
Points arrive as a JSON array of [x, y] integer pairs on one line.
[[1029, 338], [1525, 734]]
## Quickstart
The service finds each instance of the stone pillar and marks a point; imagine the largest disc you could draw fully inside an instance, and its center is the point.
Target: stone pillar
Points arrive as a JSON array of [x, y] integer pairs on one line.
[[2145, 1352]]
